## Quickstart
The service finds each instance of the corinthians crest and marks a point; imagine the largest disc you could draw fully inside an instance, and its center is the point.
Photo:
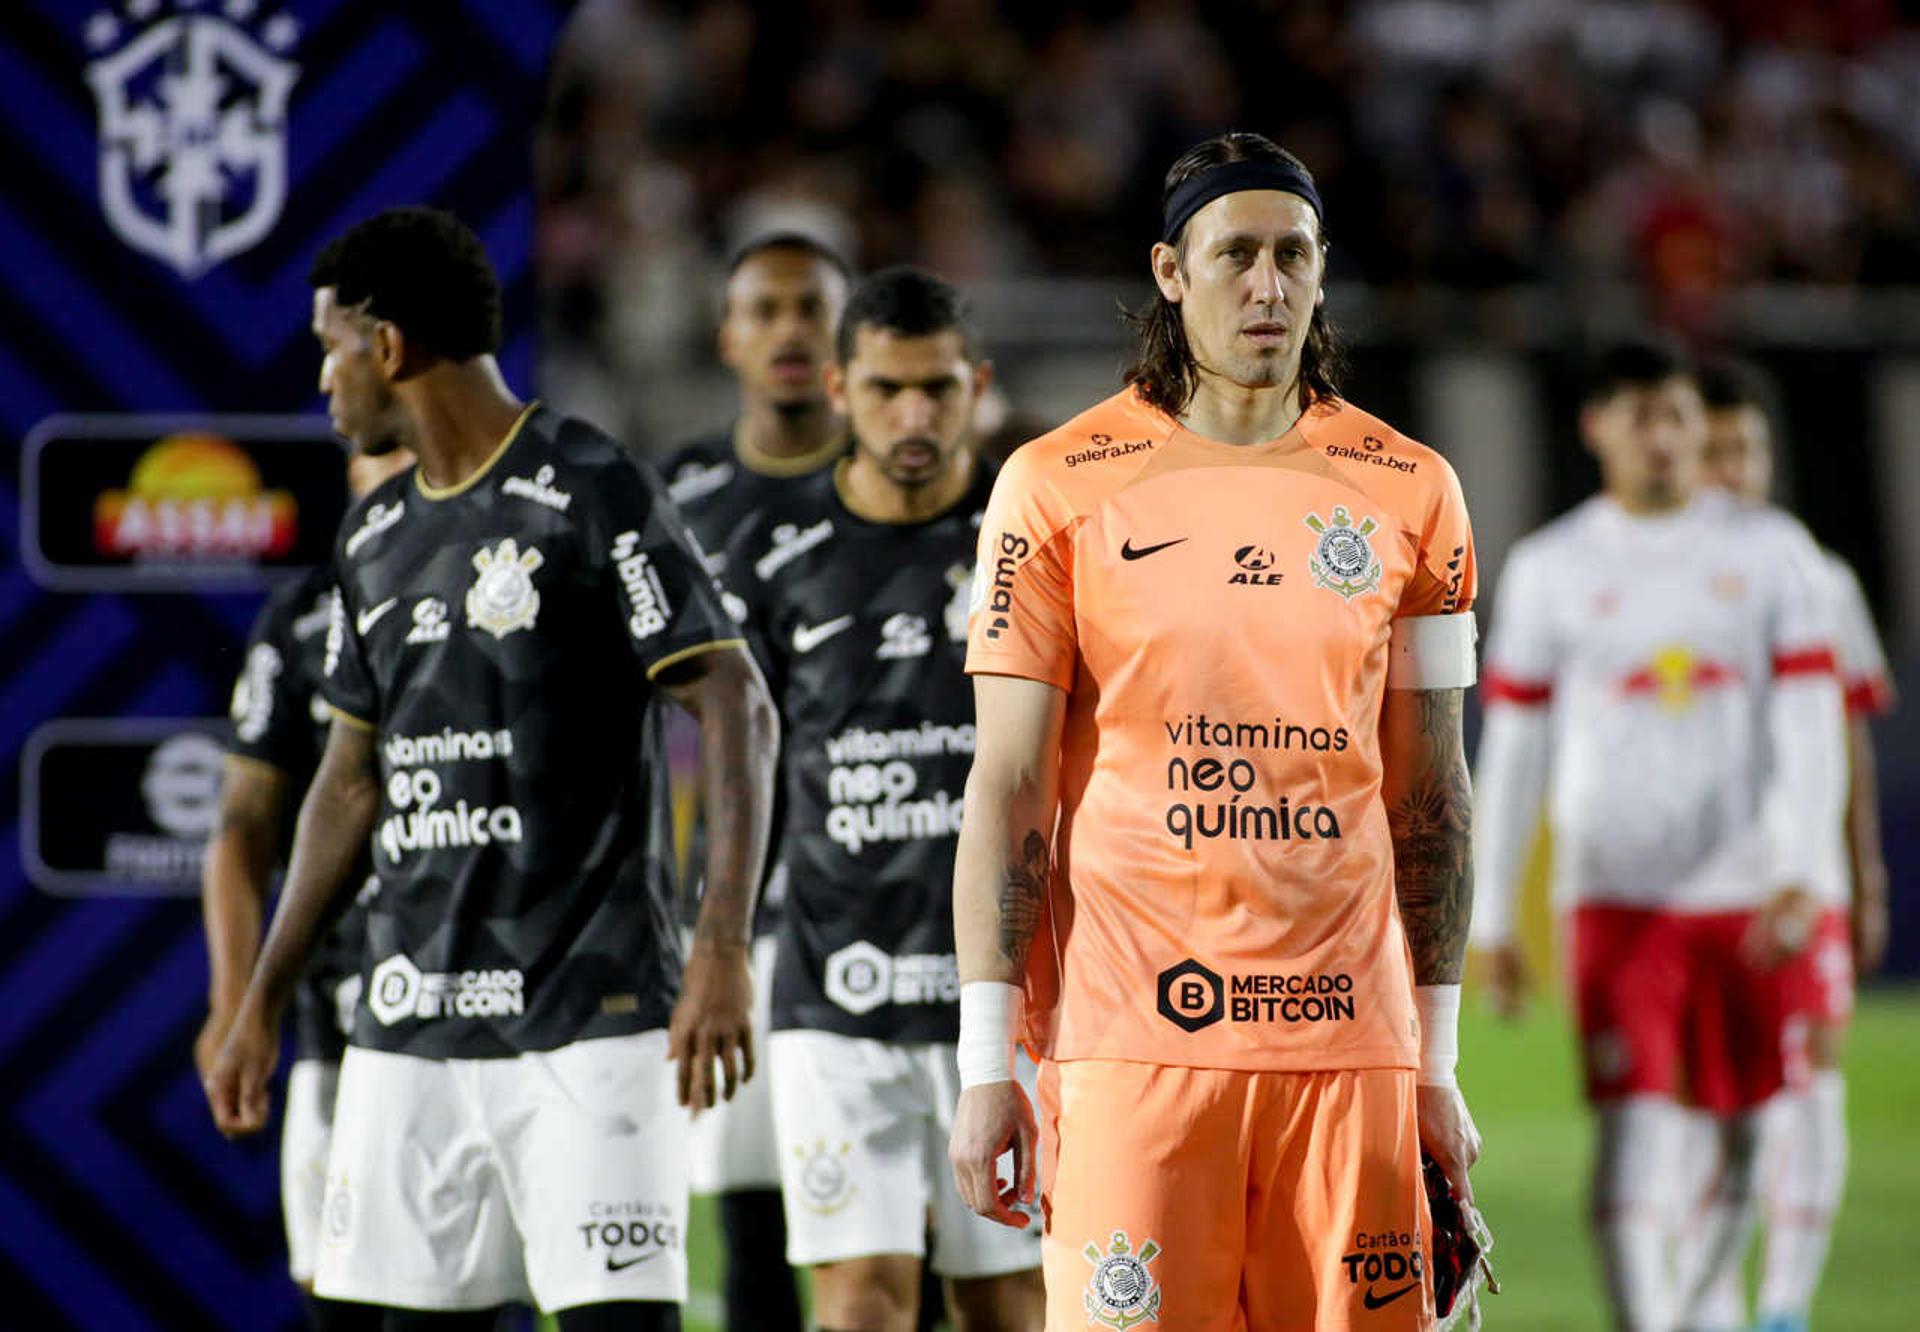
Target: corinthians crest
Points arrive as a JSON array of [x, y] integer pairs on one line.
[[502, 597], [1121, 1292], [1344, 561], [193, 128]]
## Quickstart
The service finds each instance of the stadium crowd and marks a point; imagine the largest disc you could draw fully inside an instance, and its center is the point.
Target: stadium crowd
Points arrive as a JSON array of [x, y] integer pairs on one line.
[[1690, 147]]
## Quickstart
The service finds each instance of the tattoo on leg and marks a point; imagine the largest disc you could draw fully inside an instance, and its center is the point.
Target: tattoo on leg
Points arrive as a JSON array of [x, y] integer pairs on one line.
[[1020, 895]]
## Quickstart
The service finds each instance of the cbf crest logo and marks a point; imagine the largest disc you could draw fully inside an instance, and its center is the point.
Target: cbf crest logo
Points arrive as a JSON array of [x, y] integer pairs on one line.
[[193, 127], [1121, 1292], [1343, 560], [502, 597]]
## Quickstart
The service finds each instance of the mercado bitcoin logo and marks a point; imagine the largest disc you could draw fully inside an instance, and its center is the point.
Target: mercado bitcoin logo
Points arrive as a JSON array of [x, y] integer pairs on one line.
[[195, 495], [130, 503]]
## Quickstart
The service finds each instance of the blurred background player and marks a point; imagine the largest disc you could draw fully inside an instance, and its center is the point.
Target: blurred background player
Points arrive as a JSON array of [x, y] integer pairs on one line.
[[1804, 1151], [784, 294], [508, 611], [856, 584], [1662, 663], [280, 726], [1226, 651]]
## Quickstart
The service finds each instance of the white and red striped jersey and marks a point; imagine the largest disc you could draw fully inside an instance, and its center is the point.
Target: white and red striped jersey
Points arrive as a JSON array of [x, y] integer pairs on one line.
[[1862, 661], [1669, 683]]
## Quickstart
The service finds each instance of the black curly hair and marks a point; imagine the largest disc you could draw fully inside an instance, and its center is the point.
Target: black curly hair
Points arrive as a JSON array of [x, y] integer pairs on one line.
[[423, 270]]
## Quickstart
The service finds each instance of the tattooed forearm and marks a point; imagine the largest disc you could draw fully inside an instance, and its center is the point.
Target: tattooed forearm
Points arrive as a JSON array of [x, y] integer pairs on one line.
[[1020, 895], [739, 742], [1430, 815]]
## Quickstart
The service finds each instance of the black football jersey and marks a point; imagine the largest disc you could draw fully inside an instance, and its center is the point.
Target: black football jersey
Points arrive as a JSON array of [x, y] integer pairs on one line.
[[863, 628], [716, 488], [280, 719], [502, 637]]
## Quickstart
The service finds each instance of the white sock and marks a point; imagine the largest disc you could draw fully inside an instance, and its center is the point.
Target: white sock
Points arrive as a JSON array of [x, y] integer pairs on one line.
[[1715, 1238], [1636, 1187], [1809, 1171], [1719, 1304]]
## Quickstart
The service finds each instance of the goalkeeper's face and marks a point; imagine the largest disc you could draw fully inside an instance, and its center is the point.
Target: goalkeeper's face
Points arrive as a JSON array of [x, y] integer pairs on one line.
[[1651, 441]]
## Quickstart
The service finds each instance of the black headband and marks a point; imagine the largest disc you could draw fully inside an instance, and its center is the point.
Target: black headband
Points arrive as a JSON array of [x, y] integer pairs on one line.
[[1231, 178]]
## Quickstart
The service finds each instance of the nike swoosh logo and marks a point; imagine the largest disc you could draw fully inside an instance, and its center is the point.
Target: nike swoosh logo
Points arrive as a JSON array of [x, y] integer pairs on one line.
[[806, 640], [369, 617], [1128, 551], [622, 1264], [1373, 1301]]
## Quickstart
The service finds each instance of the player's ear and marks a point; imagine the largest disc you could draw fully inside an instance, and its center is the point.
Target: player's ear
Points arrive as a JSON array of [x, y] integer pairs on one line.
[[1589, 427], [833, 378], [982, 378], [389, 350], [1165, 262], [723, 342]]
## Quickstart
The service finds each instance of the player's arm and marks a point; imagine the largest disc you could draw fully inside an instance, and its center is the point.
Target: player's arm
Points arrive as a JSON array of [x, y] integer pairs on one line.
[[1864, 852], [739, 746], [1429, 801], [233, 891], [1001, 869], [336, 819]]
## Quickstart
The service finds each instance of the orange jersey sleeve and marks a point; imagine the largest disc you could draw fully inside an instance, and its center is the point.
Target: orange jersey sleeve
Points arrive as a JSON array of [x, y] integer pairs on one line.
[[1219, 617]]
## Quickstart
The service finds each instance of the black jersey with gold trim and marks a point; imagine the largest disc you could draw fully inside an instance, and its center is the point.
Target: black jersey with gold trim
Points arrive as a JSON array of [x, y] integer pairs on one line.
[[502, 638], [717, 484], [280, 719], [862, 627]]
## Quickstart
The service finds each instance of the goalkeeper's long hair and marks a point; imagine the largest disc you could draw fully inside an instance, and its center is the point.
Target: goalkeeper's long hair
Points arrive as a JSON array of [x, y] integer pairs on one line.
[[1163, 367]]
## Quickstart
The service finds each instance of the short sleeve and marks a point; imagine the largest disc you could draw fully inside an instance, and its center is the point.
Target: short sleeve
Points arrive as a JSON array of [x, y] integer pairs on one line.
[[1522, 655], [666, 598], [270, 718], [1863, 662], [1802, 630], [1021, 613], [345, 682], [749, 601], [1447, 579]]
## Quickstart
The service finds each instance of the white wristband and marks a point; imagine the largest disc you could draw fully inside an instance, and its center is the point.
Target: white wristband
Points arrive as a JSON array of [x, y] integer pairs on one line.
[[989, 1012], [1439, 1009]]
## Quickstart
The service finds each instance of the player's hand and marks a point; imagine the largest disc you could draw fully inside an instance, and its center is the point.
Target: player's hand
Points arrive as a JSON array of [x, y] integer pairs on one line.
[[1504, 972], [713, 1022], [236, 1086], [213, 1035], [991, 1120], [1870, 928], [1447, 1135], [1782, 929]]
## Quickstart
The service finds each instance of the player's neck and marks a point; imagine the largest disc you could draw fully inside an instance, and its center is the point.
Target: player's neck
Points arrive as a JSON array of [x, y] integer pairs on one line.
[[1641, 504], [868, 494], [461, 415], [766, 432], [1237, 414]]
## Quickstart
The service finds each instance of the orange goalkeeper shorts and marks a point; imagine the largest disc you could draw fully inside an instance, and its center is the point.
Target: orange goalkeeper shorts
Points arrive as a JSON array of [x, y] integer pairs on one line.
[[1210, 1200]]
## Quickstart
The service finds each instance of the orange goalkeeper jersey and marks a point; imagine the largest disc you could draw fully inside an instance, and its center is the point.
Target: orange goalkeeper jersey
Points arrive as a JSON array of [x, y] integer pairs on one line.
[[1219, 616]]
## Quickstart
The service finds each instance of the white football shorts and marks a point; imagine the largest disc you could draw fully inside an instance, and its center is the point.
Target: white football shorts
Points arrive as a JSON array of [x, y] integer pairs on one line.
[[306, 1137], [556, 1178], [863, 1128], [733, 1147]]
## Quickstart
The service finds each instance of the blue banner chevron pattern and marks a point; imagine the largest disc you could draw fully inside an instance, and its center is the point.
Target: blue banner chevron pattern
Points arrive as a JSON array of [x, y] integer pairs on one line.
[[120, 1208]]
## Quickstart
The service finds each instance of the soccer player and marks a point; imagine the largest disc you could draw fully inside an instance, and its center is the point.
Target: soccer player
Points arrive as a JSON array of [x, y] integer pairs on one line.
[[1216, 832], [856, 583], [509, 613], [279, 728], [784, 295], [1661, 663], [1805, 1148]]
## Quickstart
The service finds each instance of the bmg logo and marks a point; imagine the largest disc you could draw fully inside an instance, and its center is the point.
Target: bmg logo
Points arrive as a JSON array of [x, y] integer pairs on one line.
[[1191, 996]]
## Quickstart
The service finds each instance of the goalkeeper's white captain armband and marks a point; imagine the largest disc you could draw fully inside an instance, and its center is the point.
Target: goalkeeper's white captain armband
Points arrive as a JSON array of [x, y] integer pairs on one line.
[[1432, 652]]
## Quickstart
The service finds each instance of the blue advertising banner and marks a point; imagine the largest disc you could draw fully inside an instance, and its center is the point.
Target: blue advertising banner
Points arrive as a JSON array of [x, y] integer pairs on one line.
[[171, 167]]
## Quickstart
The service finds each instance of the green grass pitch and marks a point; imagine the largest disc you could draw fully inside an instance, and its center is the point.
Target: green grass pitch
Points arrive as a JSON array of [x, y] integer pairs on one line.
[[1520, 1082]]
